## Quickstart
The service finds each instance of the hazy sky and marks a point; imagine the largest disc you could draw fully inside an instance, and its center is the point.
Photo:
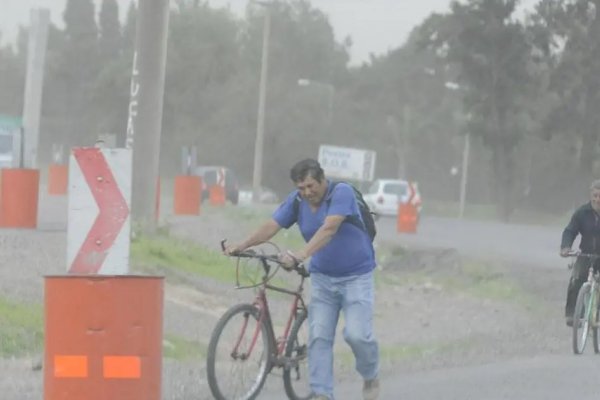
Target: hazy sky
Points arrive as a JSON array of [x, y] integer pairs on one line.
[[375, 26]]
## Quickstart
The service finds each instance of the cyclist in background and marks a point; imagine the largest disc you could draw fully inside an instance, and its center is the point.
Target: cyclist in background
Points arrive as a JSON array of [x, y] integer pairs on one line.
[[585, 222], [341, 270]]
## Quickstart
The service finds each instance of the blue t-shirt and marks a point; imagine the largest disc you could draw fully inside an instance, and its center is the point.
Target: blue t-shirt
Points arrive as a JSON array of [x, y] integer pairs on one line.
[[350, 251]]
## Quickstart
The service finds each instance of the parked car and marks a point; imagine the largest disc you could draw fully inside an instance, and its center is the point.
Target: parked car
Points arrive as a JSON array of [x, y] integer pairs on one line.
[[384, 195], [210, 176]]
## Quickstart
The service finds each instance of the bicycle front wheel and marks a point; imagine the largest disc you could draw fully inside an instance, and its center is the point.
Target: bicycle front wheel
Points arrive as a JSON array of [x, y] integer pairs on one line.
[[581, 318], [238, 360], [295, 374], [595, 321]]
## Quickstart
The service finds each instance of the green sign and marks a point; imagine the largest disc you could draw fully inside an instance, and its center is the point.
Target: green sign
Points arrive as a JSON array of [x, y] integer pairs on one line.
[[10, 123]]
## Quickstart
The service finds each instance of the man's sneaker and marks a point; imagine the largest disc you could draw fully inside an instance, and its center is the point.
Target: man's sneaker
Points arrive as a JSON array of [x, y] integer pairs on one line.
[[371, 389], [569, 321]]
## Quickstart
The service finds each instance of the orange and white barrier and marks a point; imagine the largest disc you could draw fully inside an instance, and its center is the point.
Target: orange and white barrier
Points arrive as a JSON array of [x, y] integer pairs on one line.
[[99, 222], [103, 337], [408, 215], [216, 193], [58, 179]]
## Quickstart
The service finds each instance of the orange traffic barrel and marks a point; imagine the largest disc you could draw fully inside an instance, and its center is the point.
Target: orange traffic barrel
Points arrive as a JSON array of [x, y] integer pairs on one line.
[[216, 195], [58, 177], [19, 190], [187, 194], [103, 337], [407, 218]]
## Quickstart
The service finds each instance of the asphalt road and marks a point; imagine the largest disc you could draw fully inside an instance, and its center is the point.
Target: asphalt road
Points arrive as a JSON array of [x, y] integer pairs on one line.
[[535, 246], [547, 377], [551, 377]]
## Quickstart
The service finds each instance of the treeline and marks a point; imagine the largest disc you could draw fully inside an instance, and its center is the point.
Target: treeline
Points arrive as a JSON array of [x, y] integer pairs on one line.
[[526, 91]]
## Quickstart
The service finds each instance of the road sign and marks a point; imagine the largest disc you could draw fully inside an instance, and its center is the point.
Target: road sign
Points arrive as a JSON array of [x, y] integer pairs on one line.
[[10, 123], [347, 163], [99, 221], [10, 141]]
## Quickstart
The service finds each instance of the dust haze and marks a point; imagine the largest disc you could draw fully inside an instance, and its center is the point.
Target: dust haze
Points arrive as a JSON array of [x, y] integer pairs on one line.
[[529, 122]]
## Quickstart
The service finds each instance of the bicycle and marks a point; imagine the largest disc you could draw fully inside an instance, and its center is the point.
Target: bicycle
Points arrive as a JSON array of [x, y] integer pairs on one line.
[[253, 343], [586, 316]]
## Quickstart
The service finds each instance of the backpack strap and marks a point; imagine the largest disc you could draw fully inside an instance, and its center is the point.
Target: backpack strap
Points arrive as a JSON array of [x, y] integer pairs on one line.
[[296, 205], [355, 220]]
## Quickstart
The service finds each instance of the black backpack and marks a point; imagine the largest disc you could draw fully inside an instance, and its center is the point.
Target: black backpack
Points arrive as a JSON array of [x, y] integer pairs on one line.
[[367, 223]]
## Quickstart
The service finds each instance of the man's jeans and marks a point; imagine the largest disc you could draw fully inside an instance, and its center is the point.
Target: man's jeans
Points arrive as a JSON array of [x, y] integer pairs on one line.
[[354, 295]]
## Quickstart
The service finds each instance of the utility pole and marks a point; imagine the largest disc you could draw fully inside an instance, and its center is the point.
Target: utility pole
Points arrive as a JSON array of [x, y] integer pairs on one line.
[[465, 159], [330, 95], [262, 94], [464, 175], [403, 140], [36, 55], [146, 106]]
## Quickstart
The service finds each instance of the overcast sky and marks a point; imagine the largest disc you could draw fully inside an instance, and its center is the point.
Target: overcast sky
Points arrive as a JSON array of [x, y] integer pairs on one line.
[[375, 26]]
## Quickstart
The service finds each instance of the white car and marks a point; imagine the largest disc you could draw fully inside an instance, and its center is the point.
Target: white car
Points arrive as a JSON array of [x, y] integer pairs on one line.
[[384, 195], [267, 196]]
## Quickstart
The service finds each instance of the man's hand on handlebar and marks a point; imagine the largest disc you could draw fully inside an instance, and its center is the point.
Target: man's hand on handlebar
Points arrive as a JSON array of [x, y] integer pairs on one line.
[[567, 251], [232, 249], [290, 260]]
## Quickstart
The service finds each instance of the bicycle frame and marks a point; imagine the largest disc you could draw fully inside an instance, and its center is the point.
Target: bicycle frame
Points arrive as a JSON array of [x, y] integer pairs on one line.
[[593, 279], [262, 303]]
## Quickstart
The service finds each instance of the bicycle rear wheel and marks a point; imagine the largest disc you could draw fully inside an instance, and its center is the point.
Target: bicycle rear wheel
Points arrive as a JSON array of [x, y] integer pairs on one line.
[[238, 360], [295, 375], [581, 318]]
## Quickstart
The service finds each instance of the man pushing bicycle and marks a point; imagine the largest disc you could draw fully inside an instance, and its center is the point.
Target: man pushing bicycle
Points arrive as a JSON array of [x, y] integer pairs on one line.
[[341, 267]]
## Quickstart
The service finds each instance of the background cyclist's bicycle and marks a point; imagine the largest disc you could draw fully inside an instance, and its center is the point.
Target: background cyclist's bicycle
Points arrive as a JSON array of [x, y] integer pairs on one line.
[[244, 347], [586, 314]]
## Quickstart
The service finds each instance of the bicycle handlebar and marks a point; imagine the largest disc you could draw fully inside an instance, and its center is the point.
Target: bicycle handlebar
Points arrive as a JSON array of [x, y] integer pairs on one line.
[[580, 254], [266, 258]]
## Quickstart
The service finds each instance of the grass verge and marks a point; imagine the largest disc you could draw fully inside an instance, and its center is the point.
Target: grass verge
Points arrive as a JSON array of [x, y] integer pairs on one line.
[[476, 278], [178, 348], [21, 328], [165, 253]]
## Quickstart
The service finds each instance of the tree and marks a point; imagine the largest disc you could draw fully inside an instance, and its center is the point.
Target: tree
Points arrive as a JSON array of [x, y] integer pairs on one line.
[[110, 39], [301, 45], [12, 82], [203, 57], [493, 55], [567, 35], [110, 90], [78, 69]]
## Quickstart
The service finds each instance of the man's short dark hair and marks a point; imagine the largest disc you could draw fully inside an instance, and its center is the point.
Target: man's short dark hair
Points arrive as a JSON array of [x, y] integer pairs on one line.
[[305, 168]]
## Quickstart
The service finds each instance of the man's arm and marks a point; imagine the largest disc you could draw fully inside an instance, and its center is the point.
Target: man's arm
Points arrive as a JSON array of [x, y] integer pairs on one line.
[[321, 237], [569, 234], [265, 232]]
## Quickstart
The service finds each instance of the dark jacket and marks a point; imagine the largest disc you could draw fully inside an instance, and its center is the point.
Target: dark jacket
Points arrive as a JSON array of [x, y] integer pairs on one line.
[[586, 222]]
